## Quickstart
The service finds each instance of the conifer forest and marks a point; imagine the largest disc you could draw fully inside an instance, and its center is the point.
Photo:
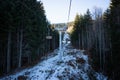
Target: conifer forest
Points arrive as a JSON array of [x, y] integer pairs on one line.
[[24, 28]]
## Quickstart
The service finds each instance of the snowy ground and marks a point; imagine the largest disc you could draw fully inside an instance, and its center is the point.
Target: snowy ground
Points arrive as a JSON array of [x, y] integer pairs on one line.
[[73, 66]]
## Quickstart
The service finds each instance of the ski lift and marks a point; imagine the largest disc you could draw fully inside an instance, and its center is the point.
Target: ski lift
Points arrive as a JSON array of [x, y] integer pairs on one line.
[[61, 28]]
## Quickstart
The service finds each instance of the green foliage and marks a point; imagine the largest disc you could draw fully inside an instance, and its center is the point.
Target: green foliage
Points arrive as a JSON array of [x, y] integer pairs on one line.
[[101, 38], [27, 16], [81, 26], [74, 35], [113, 20]]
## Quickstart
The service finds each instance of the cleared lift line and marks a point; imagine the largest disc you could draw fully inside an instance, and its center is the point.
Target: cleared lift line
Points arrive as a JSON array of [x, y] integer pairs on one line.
[[61, 30]]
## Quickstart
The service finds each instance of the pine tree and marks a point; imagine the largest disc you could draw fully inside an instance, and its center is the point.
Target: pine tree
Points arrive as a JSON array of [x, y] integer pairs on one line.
[[75, 32], [23, 30], [114, 20]]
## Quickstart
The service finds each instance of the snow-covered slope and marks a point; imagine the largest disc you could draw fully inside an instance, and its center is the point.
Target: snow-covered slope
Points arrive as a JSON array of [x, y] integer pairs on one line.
[[73, 66]]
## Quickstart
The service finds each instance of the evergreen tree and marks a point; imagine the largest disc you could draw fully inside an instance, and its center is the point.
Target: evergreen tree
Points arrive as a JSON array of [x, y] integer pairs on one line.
[[74, 35], [23, 31], [114, 22]]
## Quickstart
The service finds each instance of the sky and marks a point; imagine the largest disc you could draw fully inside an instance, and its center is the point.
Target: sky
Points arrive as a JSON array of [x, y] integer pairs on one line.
[[57, 10]]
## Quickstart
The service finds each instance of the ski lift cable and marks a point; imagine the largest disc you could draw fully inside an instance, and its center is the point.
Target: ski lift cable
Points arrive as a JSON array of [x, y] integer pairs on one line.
[[69, 10]]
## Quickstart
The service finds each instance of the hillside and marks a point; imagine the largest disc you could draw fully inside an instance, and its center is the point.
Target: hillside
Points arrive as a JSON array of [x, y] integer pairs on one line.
[[74, 65]]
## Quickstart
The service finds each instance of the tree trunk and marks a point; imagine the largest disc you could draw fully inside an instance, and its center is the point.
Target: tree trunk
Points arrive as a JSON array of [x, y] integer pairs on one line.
[[20, 55], [79, 39], [82, 41], [8, 51], [18, 42], [54, 43]]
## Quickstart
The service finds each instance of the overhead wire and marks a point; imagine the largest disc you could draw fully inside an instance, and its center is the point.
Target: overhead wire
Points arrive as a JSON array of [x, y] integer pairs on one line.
[[69, 10]]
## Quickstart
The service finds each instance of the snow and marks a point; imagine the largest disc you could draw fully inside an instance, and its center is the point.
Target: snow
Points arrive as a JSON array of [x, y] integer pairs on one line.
[[73, 66]]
